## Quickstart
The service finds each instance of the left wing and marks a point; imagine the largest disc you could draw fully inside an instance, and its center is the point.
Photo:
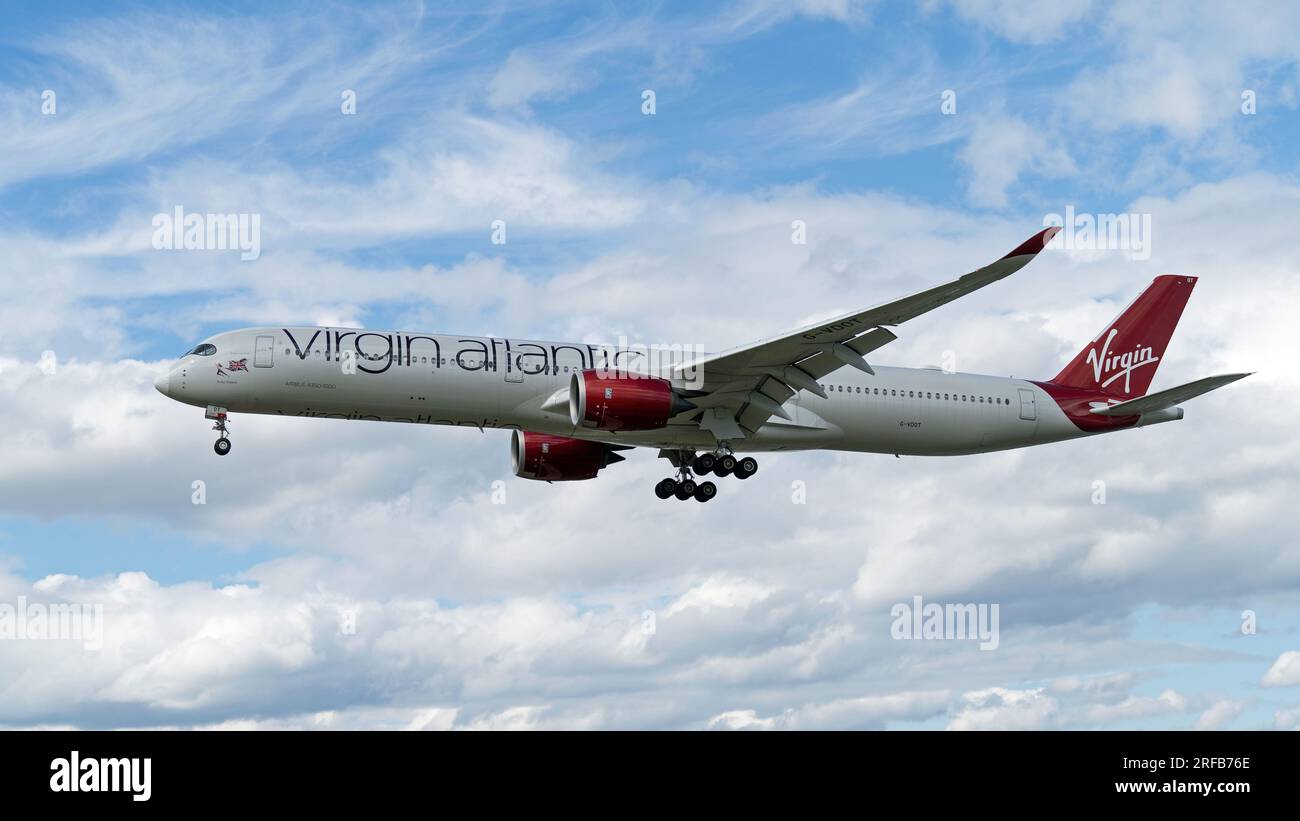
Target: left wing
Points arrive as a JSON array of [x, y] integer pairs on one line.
[[740, 389]]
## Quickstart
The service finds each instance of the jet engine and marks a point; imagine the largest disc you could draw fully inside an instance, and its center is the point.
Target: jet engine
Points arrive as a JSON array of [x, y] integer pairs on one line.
[[559, 458], [622, 401]]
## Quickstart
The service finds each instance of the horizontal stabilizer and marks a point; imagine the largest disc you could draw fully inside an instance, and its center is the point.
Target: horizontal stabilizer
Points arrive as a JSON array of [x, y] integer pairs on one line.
[[1168, 398]]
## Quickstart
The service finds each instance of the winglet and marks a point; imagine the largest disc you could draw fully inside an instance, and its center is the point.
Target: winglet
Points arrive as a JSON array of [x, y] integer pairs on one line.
[[1035, 243]]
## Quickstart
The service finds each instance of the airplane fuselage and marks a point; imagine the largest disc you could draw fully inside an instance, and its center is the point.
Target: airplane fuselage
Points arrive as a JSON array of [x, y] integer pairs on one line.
[[487, 382]]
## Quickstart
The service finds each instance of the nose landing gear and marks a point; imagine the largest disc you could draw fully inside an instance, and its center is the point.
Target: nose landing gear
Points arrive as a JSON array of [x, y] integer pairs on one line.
[[219, 417]]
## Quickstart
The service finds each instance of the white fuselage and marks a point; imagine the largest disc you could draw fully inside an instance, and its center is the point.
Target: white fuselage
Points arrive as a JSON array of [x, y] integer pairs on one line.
[[487, 382]]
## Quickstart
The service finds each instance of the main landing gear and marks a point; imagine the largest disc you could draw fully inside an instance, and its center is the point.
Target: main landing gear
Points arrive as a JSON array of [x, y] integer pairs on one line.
[[685, 488], [725, 464], [219, 417], [689, 464]]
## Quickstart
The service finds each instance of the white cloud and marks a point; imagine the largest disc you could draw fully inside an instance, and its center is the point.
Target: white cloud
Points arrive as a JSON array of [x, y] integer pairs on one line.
[[1287, 719], [1001, 149], [1285, 672], [1026, 21], [523, 78], [1136, 708], [1219, 714], [999, 708], [718, 593], [130, 88], [741, 720], [862, 712], [1183, 68]]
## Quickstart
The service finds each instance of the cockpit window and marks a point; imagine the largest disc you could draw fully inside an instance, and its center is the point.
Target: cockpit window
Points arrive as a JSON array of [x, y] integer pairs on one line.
[[206, 349]]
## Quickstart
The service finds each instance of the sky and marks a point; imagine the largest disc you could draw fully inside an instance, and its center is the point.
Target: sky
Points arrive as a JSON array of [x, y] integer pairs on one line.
[[334, 574]]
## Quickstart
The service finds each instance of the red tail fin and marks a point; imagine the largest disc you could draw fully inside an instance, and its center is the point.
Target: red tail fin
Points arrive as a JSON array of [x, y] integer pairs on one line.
[[1122, 359]]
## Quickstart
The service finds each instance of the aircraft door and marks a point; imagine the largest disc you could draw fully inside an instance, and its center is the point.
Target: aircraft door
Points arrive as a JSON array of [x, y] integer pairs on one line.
[[1028, 408], [264, 352], [513, 371]]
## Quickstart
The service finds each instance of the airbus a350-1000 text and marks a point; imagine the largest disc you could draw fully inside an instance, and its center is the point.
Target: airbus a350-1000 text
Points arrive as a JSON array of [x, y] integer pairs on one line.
[[573, 407]]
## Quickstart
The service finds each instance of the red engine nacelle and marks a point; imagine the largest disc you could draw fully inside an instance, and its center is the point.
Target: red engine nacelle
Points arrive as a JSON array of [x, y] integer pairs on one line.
[[622, 402], [558, 458]]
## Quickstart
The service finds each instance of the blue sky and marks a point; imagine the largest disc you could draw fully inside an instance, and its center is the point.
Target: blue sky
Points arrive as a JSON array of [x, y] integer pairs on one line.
[[669, 226]]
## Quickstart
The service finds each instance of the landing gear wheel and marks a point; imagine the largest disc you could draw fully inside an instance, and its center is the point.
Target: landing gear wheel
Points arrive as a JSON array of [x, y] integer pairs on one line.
[[222, 427], [705, 491], [704, 463], [726, 465], [746, 467], [686, 489], [666, 488]]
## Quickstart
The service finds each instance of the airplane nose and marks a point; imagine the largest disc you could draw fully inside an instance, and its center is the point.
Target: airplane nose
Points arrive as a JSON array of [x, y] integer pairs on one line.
[[163, 383]]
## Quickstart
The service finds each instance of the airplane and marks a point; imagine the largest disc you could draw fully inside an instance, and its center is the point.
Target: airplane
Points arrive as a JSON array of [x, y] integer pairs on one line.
[[573, 408]]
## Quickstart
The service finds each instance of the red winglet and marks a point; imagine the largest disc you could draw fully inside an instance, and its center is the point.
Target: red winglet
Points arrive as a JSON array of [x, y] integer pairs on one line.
[[1035, 243]]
